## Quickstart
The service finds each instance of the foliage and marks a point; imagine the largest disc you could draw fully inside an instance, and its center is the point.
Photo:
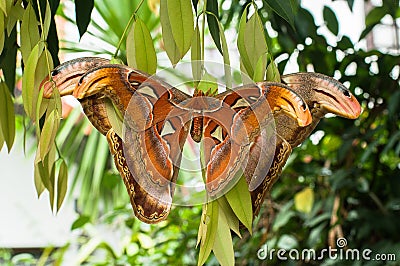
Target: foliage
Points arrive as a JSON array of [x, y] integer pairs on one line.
[[349, 168]]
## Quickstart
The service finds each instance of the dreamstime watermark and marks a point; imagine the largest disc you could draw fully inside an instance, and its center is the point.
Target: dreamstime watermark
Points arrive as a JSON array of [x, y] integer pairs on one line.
[[340, 253]]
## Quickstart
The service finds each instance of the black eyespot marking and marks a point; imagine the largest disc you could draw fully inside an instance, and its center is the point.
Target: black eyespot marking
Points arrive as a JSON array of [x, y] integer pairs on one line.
[[54, 72], [346, 93]]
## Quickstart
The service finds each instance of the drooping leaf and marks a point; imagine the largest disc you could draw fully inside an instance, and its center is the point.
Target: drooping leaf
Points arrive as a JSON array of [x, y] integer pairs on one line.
[[29, 32], [3, 6], [223, 246], [38, 181], [375, 15], [47, 21], [140, 52], [182, 25], [213, 23], [254, 42], [16, 13], [7, 116], [231, 218], [62, 183], [48, 133], [244, 57], [285, 9], [169, 42], [1, 138], [8, 59], [331, 20], [260, 68], [350, 3], [83, 11], [240, 201], [196, 55], [2, 32], [208, 230], [29, 92], [273, 72], [115, 117], [53, 186]]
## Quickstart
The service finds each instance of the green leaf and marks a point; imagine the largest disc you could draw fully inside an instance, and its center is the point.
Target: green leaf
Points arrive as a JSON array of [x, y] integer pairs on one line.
[[180, 15], [48, 134], [230, 216], [169, 43], [47, 21], [8, 60], [260, 69], [240, 201], [207, 230], [115, 117], [223, 246], [52, 185], [375, 15], [255, 43], [62, 184], [3, 6], [304, 200], [244, 57], [350, 3], [273, 72], [331, 20], [16, 13], [1, 138], [213, 23], [196, 55], [208, 84], [29, 32], [345, 43], [83, 11], [7, 116], [29, 92], [38, 181], [2, 32], [80, 222], [140, 52], [285, 9]]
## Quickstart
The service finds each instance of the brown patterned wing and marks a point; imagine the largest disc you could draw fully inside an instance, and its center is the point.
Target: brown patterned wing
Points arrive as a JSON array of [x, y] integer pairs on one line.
[[155, 132], [229, 145]]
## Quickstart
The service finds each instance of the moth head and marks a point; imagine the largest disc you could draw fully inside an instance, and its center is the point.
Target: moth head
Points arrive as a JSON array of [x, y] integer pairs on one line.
[[325, 93]]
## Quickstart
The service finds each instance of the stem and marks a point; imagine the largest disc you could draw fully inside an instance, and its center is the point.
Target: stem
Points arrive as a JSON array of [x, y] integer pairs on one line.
[[202, 30], [127, 27]]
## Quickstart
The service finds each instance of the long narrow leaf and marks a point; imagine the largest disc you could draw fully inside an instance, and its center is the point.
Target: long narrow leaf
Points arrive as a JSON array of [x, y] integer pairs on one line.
[[240, 201], [180, 15], [140, 52], [7, 116], [169, 42]]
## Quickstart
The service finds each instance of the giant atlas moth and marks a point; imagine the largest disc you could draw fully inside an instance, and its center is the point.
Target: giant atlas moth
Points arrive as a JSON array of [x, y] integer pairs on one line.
[[233, 125]]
